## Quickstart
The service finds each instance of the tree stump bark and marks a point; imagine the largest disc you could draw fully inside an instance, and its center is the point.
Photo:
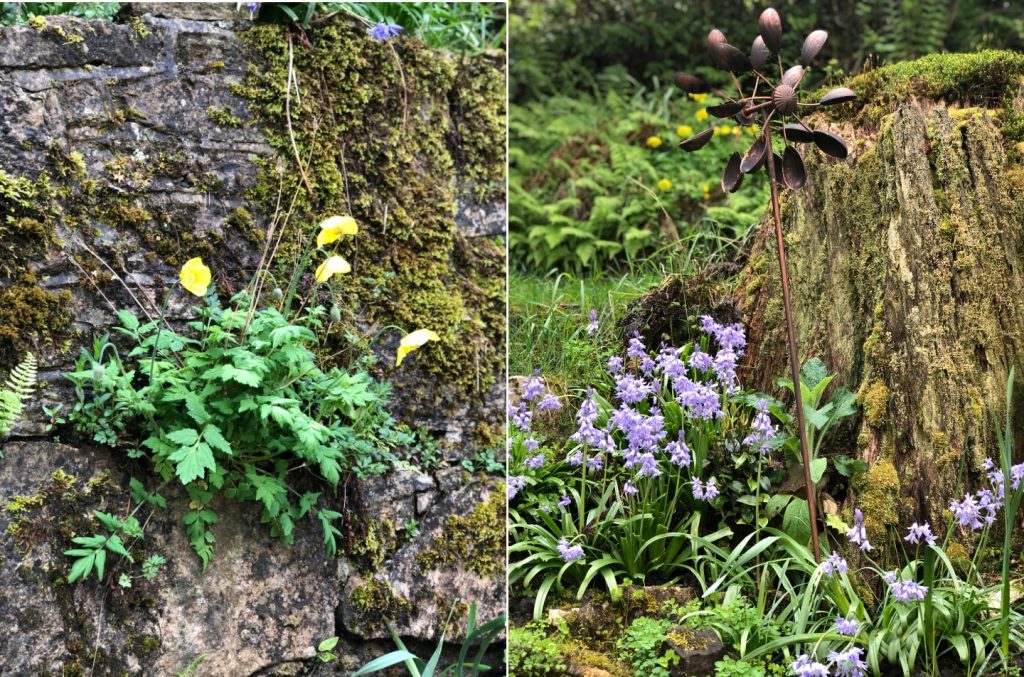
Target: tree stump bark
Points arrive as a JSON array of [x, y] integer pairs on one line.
[[907, 261]]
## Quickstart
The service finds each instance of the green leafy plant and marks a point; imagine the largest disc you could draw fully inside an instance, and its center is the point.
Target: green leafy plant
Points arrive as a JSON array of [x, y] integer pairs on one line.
[[16, 390], [325, 649], [641, 647], [237, 407], [532, 652], [477, 637]]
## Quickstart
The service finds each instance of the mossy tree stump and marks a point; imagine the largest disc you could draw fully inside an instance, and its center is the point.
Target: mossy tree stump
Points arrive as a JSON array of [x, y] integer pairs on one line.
[[907, 261]]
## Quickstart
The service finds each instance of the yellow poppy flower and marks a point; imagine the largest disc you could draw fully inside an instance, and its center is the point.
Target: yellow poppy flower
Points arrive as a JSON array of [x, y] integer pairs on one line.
[[684, 130], [195, 276], [653, 141], [702, 114], [333, 228], [699, 98], [664, 184], [411, 342], [335, 265], [707, 191]]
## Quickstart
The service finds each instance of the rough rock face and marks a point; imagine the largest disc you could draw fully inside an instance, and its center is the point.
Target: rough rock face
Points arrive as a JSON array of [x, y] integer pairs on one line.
[[907, 261], [127, 148]]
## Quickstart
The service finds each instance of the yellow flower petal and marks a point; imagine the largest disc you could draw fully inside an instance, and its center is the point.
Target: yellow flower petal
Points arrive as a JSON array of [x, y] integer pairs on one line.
[[411, 342], [335, 265], [684, 131], [654, 141], [195, 276], [699, 98], [702, 114], [664, 184], [333, 228]]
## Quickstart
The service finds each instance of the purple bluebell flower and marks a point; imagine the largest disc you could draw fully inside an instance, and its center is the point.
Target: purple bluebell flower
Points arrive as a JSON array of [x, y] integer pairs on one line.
[[834, 564], [647, 365], [631, 389], [647, 433], [565, 502], [762, 429], [514, 485], [679, 452], [614, 364], [848, 663], [710, 490], [384, 31], [1016, 476], [698, 489], [846, 626], [595, 462], [594, 325], [587, 433], [990, 503], [546, 508], [967, 512], [575, 459], [253, 7], [569, 552], [908, 591], [629, 490], [625, 418], [725, 369], [857, 534], [534, 462], [731, 337], [533, 387], [636, 348], [531, 443], [917, 532], [709, 326], [700, 360], [701, 402], [804, 666], [521, 417], [670, 364], [549, 403], [648, 466]]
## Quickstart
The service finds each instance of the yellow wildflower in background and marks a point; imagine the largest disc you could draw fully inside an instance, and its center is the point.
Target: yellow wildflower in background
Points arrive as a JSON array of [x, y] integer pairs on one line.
[[699, 98], [707, 191], [195, 276], [412, 341], [684, 130], [333, 228], [753, 130], [334, 265], [702, 114], [664, 184], [723, 130], [736, 131], [654, 141]]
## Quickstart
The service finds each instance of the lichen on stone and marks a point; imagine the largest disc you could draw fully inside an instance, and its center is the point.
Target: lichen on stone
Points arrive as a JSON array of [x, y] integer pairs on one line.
[[476, 541]]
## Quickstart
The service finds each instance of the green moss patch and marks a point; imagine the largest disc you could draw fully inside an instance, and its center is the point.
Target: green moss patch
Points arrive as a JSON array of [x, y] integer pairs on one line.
[[477, 541]]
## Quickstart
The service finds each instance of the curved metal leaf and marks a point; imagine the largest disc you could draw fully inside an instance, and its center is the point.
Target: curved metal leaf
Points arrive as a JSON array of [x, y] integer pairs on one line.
[[759, 53], [691, 83], [728, 58], [792, 76], [830, 144], [726, 110], [697, 141], [770, 25], [793, 173], [812, 45], [732, 177], [797, 133], [754, 156], [777, 159], [715, 37], [837, 95]]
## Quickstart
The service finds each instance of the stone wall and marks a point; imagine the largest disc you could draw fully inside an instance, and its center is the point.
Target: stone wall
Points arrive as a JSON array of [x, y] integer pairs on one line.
[[128, 147]]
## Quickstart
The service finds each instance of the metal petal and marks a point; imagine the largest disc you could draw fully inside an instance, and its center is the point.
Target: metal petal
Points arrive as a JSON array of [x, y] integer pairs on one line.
[[759, 53], [838, 95], [793, 173], [754, 156], [715, 37], [784, 100], [691, 83], [777, 159], [812, 45], [770, 25], [697, 141], [732, 177], [726, 110], [830, 144], [792, 76], [728, 58], [797, 133]]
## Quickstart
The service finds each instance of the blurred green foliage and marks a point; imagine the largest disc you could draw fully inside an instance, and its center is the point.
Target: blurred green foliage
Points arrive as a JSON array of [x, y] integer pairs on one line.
[[20, 12]]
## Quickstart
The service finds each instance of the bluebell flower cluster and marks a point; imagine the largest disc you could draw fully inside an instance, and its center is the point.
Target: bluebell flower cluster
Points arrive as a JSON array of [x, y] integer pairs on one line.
[[384, 31], [594, 325], [920, 532], [846, 626], [569, 552], [904, 591], [847, 663], [857, 534], [833, 565], [976, 511]]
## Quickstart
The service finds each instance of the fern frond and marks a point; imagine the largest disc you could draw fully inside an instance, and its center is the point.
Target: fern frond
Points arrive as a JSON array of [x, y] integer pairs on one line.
[[15, 392]]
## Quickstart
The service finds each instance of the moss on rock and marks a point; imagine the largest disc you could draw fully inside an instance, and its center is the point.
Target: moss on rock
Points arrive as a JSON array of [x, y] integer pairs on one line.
[[476, 542]]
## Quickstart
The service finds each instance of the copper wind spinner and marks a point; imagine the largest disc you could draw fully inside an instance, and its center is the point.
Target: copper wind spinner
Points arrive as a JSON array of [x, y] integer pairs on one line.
[[771, 104]]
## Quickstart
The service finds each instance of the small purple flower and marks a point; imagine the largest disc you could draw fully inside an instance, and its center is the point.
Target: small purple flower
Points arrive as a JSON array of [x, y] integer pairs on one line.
[[253, 7], [647, 365], [514, 485], [834, 564], [647, 433], [857, 534], [680, 453], [566, 500], [575, 459], [614, 364], [630, 389], [531, 443], [629, 490], [670, 364], [762, 428], [521, 417], [700, 360], [587, 433], [698, 489], [804, 666], [636, 348], [848, 663], [596, 462], [731, 337], [967, 512], [917, 532], [534, 462], [710, 490], [1016, 475], [846, 626], [905, 591], [549, 403], [648, 466], [533, 387], [384, 31], [709, 326], [594, 325], [700, 400], [569, 552]]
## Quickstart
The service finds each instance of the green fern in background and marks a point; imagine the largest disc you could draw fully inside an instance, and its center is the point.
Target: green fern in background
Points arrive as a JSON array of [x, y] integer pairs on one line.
[[15, 392]]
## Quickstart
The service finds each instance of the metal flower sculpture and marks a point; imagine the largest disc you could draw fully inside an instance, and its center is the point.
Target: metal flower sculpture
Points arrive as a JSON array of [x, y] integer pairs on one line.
[[775, 106]]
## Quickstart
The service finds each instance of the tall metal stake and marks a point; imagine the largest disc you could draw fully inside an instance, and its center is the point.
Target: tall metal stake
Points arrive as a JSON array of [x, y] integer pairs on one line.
[[794, 358]]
